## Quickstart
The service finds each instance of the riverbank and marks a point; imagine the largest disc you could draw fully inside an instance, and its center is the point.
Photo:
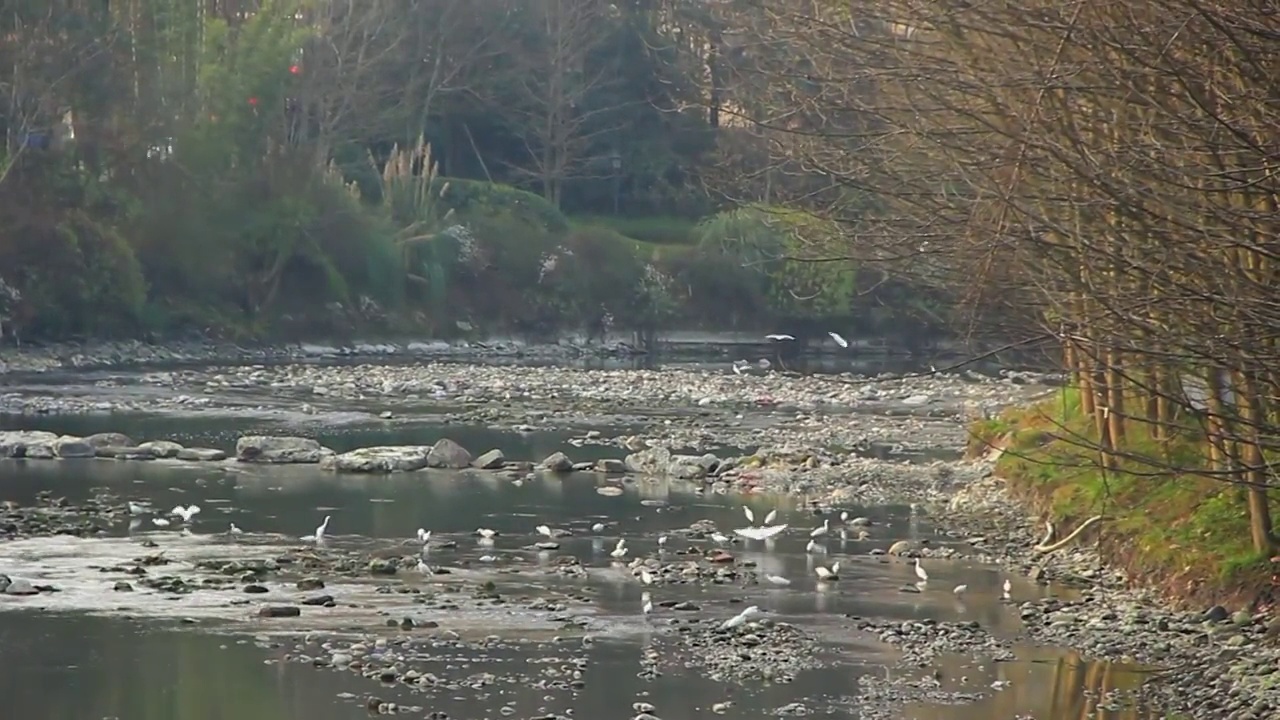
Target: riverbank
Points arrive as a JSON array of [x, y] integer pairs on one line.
[[1166, 578]]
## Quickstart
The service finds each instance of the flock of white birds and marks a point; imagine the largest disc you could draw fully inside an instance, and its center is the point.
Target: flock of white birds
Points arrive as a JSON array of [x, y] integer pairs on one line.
[[766, 532]]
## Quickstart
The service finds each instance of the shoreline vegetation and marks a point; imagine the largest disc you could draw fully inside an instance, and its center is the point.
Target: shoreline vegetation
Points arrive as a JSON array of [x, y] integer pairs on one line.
[[1155, 507]]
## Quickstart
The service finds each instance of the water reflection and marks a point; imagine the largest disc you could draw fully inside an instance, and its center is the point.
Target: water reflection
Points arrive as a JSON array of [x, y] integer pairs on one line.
[[69, 667]]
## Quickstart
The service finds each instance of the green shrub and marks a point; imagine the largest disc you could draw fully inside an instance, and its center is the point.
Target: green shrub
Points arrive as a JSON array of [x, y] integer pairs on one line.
[[474, 199], [658, 230]]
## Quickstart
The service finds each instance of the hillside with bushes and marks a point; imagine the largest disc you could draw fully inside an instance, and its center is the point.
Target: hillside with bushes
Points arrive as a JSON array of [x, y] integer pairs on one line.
[[302, 168]]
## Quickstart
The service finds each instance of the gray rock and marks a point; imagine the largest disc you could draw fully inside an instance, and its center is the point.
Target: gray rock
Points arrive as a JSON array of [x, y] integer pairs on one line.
[[73, 447], [692, 467], [448, 454], [381, 459], [651, 461], [162, 448], [611, 466], [279, 611], [110, 439], [491, 460], [279, 450], [201, 454], [558, 462], [14, 443], [17, 586], [42, 451]]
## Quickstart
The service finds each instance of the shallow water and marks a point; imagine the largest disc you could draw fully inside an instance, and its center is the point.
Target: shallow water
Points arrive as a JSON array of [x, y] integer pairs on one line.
[[116, 667]]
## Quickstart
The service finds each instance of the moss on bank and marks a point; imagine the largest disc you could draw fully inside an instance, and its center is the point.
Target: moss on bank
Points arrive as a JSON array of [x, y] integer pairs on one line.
[[1169, 527]]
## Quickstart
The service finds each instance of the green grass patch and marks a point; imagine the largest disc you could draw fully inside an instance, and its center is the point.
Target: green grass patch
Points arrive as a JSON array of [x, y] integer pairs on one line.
[[1166, 522]]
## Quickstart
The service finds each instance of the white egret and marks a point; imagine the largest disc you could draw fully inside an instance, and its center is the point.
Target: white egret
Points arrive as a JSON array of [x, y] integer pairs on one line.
[[662, 541], [545, 530], [234, 530], [138, 508], [645, 577], [186, 513], [720, 538], [812, 547], [826, 574], [844, 516], [773, 515], [423, 567], [597, 528], [777, 580], [424, 536], [821, 530], [646, 605], [619, 550], [751, 517], [920, 573], [160, 522], [839, 339], [779, 337], [740, 618], [321, 528], [1008, 586], [740, 366], [486, 533], [835, 567], [960, 589], [760, 533]]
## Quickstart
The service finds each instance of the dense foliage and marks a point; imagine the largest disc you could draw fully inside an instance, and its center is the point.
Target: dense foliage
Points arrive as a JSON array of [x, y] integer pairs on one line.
[[256, 166]]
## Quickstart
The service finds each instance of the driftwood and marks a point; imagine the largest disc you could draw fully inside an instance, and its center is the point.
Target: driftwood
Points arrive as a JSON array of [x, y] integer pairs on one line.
[[1044, 547]]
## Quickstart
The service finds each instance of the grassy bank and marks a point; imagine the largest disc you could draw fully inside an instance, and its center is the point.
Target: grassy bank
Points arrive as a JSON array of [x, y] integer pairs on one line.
[[1166, 525]]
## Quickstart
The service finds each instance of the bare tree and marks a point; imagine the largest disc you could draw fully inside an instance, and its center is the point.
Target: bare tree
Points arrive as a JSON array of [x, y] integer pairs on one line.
[[560, 89]]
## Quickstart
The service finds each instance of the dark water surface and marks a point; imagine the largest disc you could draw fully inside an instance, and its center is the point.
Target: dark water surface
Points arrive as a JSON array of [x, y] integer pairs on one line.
[[76, 666]]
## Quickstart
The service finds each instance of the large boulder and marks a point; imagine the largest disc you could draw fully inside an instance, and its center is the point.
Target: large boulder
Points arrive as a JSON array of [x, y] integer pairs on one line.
[[660, 461], [110, 439], [492, 460], [162, 448], [558, 462], [73, 447], [279, 449], [383, 459], [14, 443], [449, 455]]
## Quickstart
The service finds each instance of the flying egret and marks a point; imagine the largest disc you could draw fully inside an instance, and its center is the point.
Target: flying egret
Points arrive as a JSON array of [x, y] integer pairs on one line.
[[920, 573], [839, 339], [821, 530], [740, 618], [760, 533], [779, 337], [1008, 586], [773, 515], [160, 522], [960, 589], [186, 513], [545, 530], [777, 580], [751, 517]]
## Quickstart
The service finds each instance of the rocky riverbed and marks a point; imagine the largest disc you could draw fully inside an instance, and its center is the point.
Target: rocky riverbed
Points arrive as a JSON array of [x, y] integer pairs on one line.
[[1210, 663]]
